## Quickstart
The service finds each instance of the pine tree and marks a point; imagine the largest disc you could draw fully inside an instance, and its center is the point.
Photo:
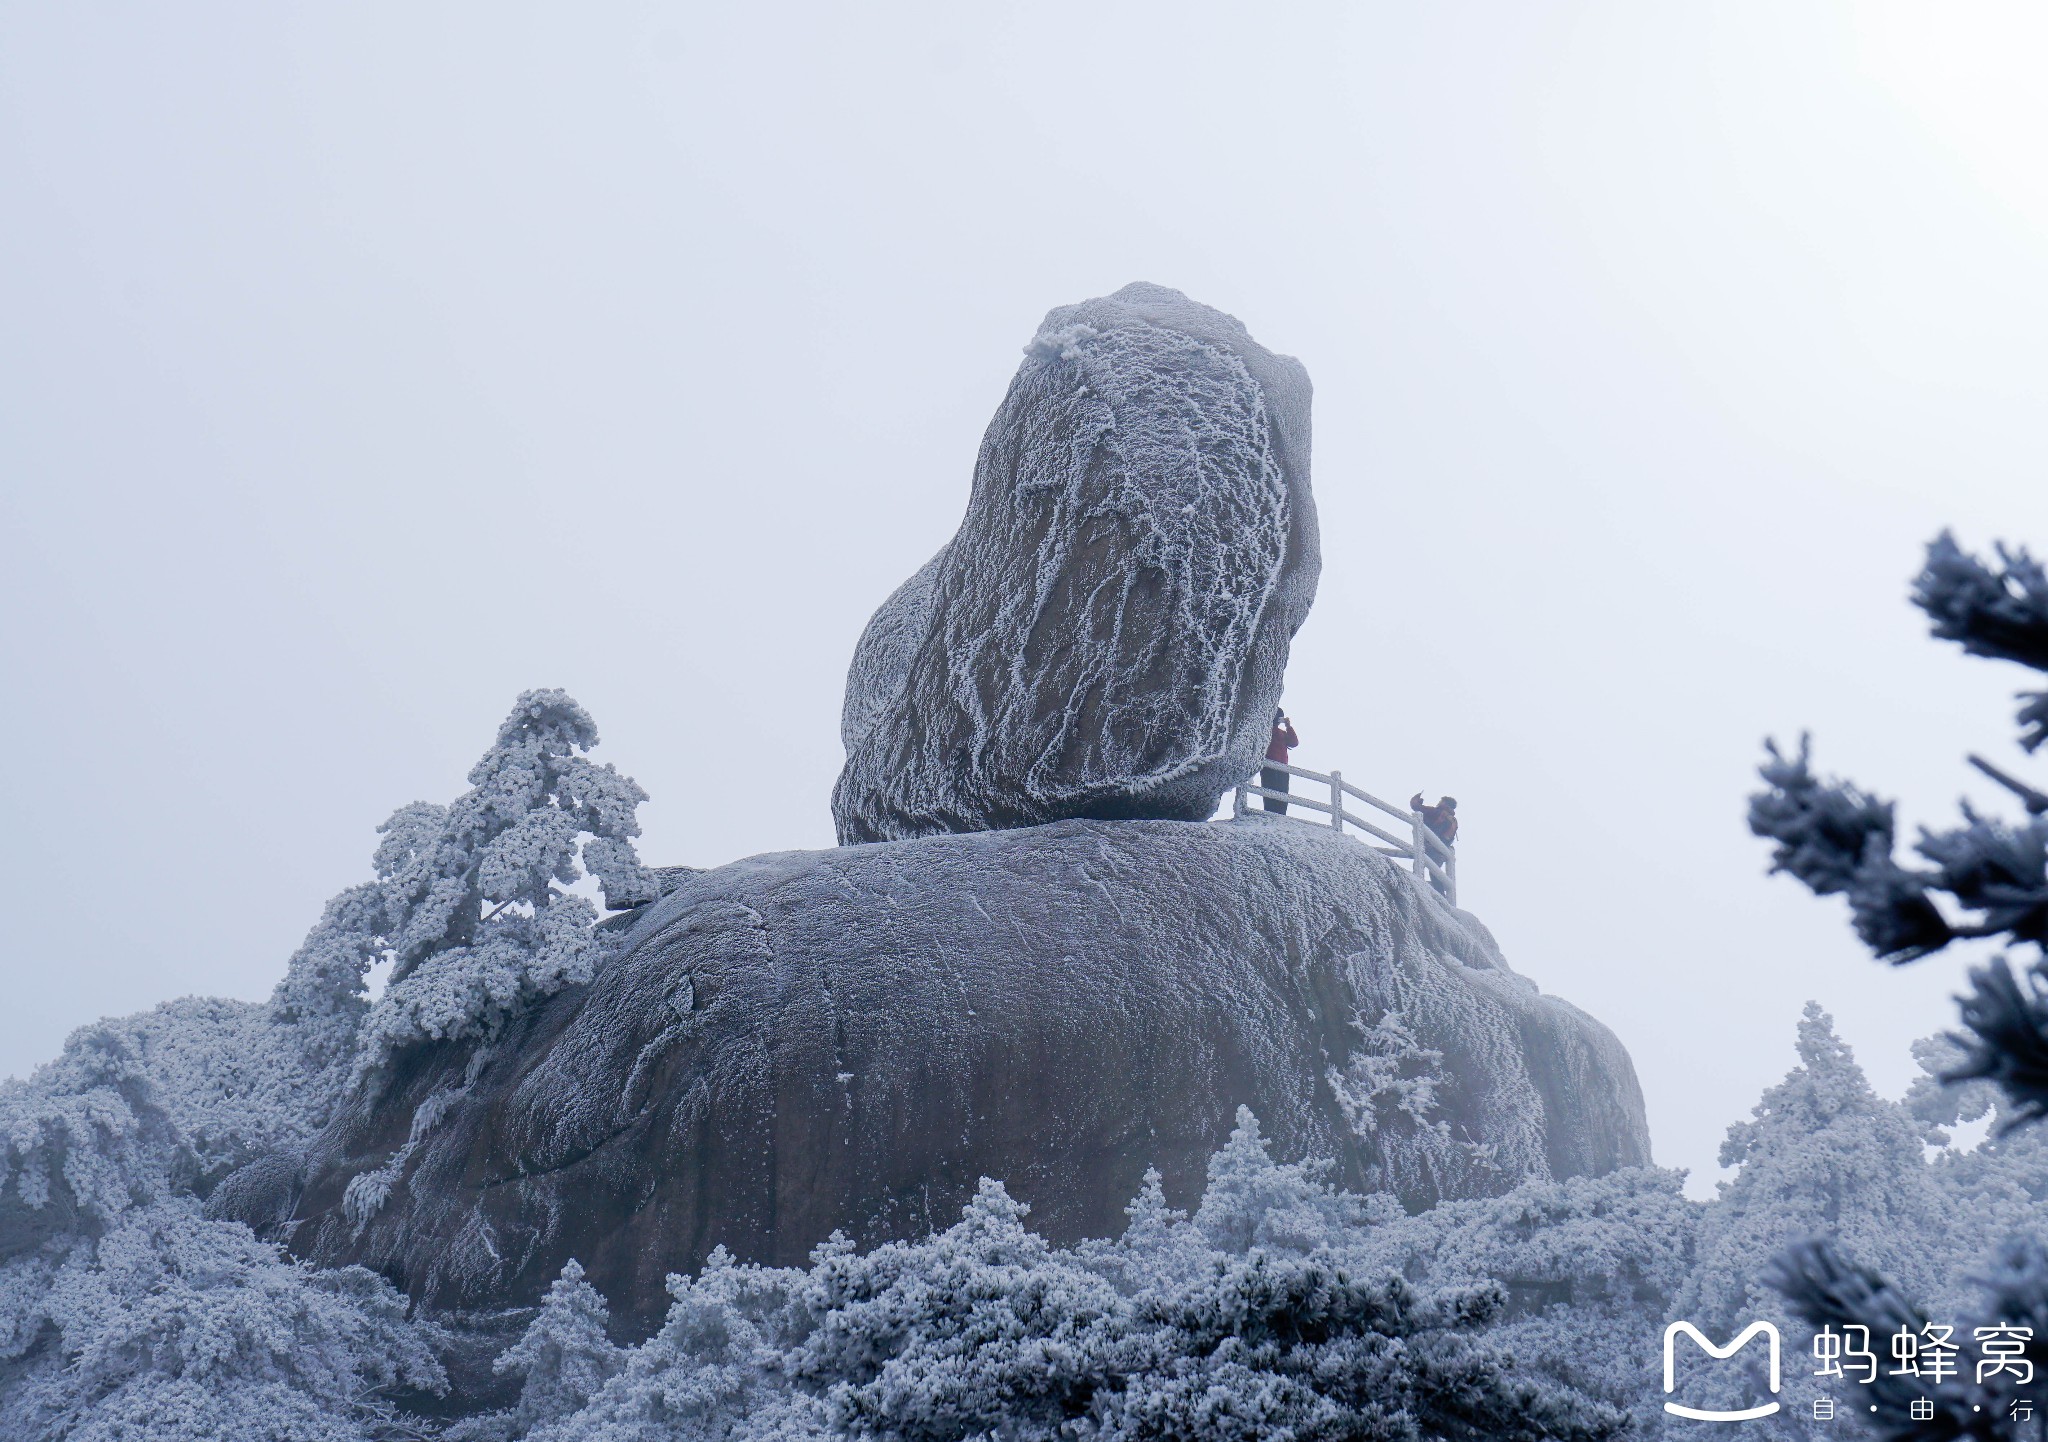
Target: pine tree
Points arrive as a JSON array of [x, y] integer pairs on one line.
[[1822, 1154], [475, 918], [128, 1311], [1592, 1266], [1837, 839], [564, 1355]]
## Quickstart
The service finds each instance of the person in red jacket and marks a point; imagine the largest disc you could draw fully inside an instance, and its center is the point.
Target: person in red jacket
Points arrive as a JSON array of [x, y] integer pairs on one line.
[[1271, 776], [1442, 821]]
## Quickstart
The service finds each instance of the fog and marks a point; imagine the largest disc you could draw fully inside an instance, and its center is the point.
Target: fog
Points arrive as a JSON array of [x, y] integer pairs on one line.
[[364, 366]]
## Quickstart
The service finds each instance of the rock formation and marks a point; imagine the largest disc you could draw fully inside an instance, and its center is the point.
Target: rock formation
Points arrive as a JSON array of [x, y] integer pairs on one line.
[[849, 1039], [1105, 635], [1034, 959]]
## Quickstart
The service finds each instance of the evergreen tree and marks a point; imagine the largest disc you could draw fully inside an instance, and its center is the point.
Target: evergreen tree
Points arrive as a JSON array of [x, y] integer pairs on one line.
[[565, 1354], [1821, 1153], [2001, 1184], [1838, 839], [1592, 1268], [475, 919], [127, 1312]]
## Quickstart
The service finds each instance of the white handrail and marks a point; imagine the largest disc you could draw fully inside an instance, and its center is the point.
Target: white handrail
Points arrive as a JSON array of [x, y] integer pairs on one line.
[[1419, 848]]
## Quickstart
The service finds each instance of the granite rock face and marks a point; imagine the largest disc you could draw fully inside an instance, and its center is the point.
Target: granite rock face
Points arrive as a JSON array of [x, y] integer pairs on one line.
[[849, 1039], [1106, 634]]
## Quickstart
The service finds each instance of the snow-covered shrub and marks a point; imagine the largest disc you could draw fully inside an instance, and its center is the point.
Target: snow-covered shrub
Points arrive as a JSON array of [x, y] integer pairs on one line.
[[83, 1139], [722, 1366], [1251, 1201], [1259, 1317], [173, 1327], [126, 1314]]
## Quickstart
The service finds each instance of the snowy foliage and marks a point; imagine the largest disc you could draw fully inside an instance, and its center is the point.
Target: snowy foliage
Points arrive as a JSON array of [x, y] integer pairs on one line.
[[1591, 1266], [1821, 1155], [139, 1107], [469, 908], [1821, 1152], [1835, 839], [84, 1135], [1829, 1288], [472, 910], [173, 1327], [127, 1311], [1996, 612], [565, 1355], [1280, 1306], [1257, 1318]]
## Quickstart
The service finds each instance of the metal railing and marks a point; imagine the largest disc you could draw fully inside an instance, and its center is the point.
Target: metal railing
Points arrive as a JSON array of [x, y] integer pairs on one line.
[[1429, 856]]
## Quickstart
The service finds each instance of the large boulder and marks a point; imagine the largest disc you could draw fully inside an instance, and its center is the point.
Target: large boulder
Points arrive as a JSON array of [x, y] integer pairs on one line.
[[1106, 634], [849, 1039]]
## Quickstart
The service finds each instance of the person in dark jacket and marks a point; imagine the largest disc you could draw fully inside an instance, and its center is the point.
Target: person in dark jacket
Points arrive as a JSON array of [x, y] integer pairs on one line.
[[1442, 821], [1270, 775]]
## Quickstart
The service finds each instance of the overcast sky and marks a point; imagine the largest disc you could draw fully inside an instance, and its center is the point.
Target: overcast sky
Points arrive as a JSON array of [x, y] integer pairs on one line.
[[362, 366]]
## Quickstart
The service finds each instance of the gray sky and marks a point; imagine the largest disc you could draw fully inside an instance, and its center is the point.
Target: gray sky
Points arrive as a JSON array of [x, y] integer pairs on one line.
[[365, 365]]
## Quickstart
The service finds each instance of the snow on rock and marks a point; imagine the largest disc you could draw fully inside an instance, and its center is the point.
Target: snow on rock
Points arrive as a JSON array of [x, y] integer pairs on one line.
[[1106, 634], [851, 1039]]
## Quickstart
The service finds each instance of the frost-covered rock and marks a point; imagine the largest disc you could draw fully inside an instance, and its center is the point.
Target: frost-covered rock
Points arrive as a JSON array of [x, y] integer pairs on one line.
[[850, 1039], [1105, 635]]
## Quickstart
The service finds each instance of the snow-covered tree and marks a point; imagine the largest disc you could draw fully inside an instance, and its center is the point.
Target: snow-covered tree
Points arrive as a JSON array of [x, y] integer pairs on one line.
[[124, 1311], [1837, 839], [1994, 875], [1251, 1201], [1256, 1318], [83, 1139], [565, 1355], [180, 1329], [1592, 1267], [1821, 1155], [475, 916]]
